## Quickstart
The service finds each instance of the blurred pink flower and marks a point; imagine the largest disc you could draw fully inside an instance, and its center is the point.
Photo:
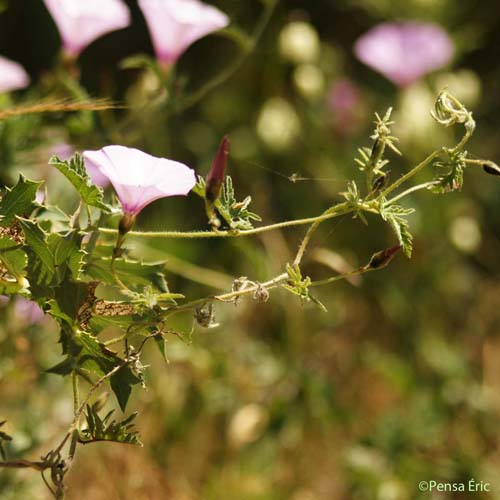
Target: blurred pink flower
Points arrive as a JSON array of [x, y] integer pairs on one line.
[[345, 104], [139, 178], [28, 311], [12, 76], [80, 22], [62, 150], [176, 24], [25, 310], [405, 52]]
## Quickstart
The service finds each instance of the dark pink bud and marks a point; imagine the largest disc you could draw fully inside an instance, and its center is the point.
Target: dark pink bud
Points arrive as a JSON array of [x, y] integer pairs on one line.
[[215, 177], [382, 258]]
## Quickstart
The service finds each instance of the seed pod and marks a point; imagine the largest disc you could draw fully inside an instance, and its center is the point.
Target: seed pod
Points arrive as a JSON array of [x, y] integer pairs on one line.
[[491, 168], [215, 177], [381, 259]]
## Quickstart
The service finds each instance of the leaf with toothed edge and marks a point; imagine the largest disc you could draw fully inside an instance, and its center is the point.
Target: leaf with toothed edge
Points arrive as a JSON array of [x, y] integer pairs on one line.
[[74, 170], [18, 201]]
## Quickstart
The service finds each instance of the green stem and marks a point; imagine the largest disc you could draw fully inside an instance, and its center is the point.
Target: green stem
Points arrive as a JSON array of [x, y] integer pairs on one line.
[[305, 242], [227, 297], [339, 209], [415, 170], [196, 96], [418, 187], [356, 272]]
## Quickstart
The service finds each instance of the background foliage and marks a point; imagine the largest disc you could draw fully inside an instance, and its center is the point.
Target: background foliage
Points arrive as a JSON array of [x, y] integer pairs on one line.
[[397, 382]]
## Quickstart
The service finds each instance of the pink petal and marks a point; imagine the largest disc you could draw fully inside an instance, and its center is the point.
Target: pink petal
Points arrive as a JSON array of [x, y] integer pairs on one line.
[[28, 311], [12, 76], [139, 178], [80, 22], [96, 176], [405, 52], [176, 24]]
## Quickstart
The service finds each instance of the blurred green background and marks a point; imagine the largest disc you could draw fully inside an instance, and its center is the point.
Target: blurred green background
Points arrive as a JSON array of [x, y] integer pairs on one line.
[[398, 383]]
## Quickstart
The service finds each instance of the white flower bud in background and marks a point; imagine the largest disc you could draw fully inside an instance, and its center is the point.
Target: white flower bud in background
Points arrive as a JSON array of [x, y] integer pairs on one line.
[[278, 124], [299, 42], [464, 84], [412, 117], [247, 424], [309, 80], [465, 234]]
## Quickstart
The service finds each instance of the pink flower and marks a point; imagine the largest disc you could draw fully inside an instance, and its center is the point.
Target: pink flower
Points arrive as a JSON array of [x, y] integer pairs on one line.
[[345, 103], [405, 52], [12, 76], [139, 178], [28, 311], [96, 176], [25, 310], [176, 24], [80, 22]]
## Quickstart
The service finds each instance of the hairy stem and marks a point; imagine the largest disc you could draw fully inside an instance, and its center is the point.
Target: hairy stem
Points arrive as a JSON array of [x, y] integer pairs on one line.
[[339, 210]]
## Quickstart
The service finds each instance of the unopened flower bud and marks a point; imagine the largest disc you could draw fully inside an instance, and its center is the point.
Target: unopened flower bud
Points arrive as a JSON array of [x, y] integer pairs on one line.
[[379, 182], [381, 259], [215, 177], [377, 150], [491, 168], [126, 223]]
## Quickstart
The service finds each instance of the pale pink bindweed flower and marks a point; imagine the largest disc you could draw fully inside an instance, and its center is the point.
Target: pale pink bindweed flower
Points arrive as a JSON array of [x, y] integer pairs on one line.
[[176, 24], [28, 311], [80, 22], [12, 76], [25, 310], [139, 178], [96, 176], [405, 52]]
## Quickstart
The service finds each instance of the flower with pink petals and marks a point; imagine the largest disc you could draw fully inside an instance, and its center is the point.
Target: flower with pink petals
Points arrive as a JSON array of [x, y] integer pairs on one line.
[[405, 52], [28, 311], [345, 103], [80, 22], [139, 178], [176, 24], [12, 76], [96, 176]]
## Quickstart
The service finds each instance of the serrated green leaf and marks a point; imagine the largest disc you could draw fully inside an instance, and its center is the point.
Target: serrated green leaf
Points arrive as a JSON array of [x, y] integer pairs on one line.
[[161, 343], [18, 201], [91, 359], [74, 170], [67, 253], [106, 429], [63, 368], [452, 177], [41, 259], [12, 257], [236, 214], [121, 384], [396, 215], [132, 272]]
